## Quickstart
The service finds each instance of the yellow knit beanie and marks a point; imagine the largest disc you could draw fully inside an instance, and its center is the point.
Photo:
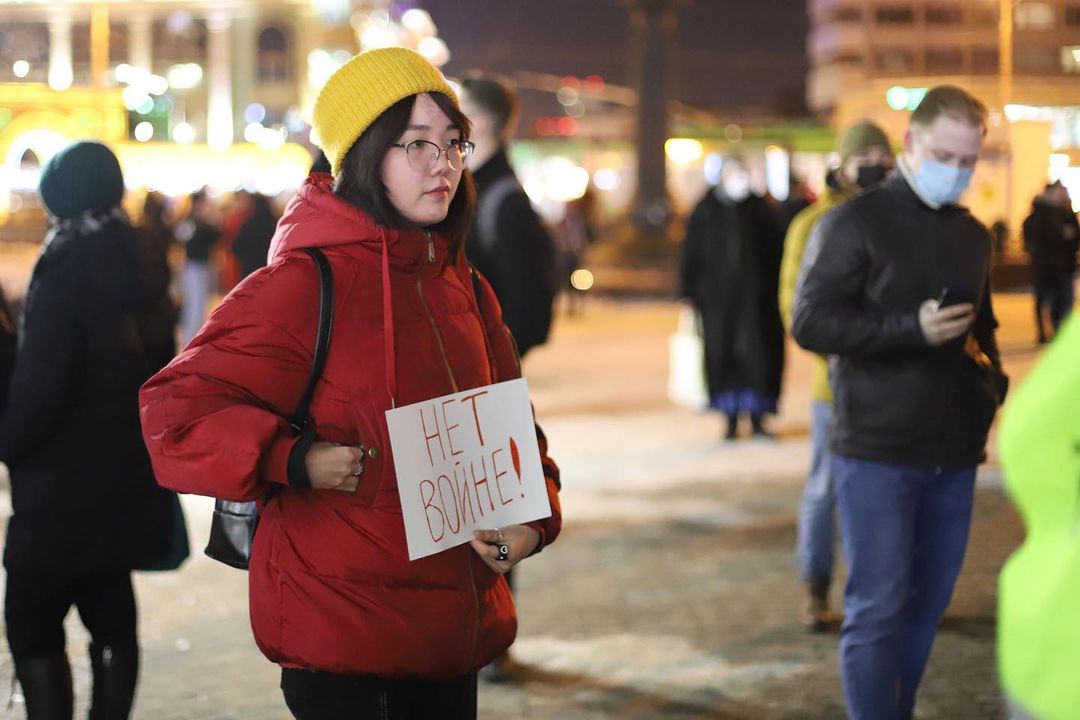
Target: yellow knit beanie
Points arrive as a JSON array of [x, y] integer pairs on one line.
[[363, 89]]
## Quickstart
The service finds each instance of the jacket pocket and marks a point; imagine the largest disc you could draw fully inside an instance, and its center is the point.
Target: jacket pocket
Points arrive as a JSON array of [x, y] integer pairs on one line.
[[343, 421], [886, 398], [976, 400]]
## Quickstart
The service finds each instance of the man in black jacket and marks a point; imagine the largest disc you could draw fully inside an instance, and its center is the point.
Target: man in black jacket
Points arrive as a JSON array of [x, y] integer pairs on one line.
[[895, 286], [507, 244]]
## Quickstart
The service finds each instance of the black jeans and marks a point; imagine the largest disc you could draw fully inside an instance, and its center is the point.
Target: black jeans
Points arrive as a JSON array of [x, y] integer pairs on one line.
[[35, 606], [316, 695]]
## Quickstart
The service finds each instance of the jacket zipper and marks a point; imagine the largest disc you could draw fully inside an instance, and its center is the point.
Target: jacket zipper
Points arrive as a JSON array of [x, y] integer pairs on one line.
[[430, 317], [942, 391], [453, 383]]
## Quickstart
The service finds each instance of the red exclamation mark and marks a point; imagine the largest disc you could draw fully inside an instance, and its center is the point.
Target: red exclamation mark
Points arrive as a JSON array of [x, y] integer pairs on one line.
[[515, 457]]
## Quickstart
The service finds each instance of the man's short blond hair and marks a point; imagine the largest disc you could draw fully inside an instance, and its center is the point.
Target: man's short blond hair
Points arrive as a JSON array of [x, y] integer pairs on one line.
[[950, 101]]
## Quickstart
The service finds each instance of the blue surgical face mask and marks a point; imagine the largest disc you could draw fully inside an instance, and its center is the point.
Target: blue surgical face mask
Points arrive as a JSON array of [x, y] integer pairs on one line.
[[941, 183]]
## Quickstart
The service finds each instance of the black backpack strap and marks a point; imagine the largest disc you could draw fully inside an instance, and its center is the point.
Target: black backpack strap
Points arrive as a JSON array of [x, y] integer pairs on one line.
[[300, 420]]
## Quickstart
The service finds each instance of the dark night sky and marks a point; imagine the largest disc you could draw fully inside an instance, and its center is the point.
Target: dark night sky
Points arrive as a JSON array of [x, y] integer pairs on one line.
[[727, 54]]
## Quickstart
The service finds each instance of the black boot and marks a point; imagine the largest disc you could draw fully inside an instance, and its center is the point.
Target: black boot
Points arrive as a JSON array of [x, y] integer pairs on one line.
[[732, 430], [757, 422], [116, 671], [46, 686]]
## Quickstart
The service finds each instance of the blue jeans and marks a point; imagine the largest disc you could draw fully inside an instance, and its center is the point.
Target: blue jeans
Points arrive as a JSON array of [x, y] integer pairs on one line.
[[904, 532], [815, 533]]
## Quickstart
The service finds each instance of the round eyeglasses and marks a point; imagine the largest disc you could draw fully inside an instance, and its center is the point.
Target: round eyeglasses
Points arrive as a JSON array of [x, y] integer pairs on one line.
[[423, 154]]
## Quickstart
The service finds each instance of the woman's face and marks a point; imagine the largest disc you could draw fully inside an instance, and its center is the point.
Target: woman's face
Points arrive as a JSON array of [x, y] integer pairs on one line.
[[422, 194]]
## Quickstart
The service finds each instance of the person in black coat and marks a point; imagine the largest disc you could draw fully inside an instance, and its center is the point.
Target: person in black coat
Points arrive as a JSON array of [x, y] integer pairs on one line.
[[730, 273], [252, 241], [86, 507], [508, 244], [1050, 236]]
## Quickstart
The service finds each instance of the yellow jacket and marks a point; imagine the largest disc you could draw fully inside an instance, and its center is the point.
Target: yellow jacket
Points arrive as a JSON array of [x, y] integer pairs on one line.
[[798, 235], [1038, 623]]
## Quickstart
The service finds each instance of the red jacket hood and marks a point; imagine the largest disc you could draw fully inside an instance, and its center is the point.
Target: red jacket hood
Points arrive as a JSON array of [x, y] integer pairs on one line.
[[316, 217]]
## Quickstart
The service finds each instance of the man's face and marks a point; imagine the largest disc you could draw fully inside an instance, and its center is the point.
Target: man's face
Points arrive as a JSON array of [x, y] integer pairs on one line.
[[481, 123], [876, 155], [948, 140]]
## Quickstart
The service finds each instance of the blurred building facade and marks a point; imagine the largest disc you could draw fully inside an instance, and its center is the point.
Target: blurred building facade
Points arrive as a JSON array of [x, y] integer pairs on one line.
[[876, 58], [187, 93]]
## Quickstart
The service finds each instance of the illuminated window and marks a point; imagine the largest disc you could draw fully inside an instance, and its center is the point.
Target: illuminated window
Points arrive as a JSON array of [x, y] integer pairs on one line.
[[28, 42], [1034, 16], [845, 13], [1070, 59], [849, 57], [1034, 59], [179, 38], [895, 15], [274, 61], [944, 15], [944, 60], [983, 16], [895, 59], [985, 60]]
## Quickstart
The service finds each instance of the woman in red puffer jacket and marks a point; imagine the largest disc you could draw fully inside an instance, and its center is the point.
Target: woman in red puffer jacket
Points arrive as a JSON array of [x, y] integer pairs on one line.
[[357, 628]]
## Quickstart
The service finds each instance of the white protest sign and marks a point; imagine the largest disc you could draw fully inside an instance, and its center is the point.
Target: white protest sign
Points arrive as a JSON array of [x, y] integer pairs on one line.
[[464, 462]]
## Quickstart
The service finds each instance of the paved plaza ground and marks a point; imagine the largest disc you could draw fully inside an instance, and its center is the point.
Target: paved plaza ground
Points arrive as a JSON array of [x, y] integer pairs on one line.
[[672, 592]]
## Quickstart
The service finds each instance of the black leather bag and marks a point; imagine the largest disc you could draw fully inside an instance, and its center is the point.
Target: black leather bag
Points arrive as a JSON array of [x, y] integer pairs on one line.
[[232, 528]]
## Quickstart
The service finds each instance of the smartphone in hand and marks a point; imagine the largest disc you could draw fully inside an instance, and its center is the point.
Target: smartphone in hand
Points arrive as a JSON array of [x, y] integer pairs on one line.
[[955, 296]]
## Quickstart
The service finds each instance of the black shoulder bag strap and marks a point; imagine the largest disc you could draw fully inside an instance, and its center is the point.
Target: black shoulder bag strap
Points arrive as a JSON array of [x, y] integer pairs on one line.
[[300, 420], [233, 525]]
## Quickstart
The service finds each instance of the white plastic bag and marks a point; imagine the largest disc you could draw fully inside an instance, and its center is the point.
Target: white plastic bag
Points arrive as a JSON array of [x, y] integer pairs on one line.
[[686, 362]]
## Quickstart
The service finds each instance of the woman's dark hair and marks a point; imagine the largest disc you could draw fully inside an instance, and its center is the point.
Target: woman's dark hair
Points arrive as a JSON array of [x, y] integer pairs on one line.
[[360, 180]]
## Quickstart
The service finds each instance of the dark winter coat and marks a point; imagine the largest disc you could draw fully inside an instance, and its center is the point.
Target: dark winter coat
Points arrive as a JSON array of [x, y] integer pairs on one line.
[[730, 270], [331, 584], [870, 264], [252, 242], [83, 493], [1053, 253], [518, 258], [8, 347]]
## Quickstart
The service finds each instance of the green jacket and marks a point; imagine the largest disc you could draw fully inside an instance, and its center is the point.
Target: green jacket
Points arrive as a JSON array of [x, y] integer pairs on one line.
[[798, 235], [1039, 594]]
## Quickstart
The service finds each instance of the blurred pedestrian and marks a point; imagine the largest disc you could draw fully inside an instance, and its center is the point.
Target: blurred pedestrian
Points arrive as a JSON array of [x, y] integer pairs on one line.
[[729, 271], [508, 244], [159, 315], [1051, 235], [251, 243], [896, 284], [199, 232], [86, 508], [359, 629], [1038, 618], [576, 232], [865, 159]]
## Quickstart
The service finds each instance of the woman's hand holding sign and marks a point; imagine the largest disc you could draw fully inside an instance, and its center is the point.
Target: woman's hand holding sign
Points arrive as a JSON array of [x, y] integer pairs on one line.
[[334, 467], [503, 548]]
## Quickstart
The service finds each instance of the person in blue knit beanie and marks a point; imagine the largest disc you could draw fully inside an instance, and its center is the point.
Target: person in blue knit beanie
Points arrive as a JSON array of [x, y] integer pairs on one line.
[[87, 510]]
